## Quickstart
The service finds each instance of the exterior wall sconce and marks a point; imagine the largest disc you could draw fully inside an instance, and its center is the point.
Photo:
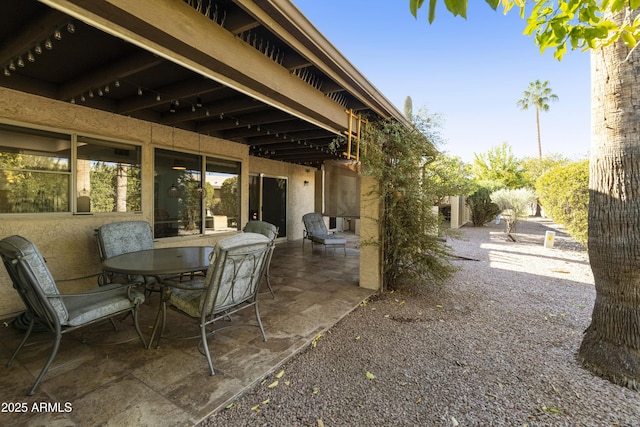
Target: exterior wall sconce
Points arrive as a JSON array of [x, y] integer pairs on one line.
[[306, 183]]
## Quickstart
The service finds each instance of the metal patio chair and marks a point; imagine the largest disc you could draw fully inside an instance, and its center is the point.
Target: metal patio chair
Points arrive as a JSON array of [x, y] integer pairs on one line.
[[316, 232], [231, 284], [121, 237], [271, 231], [60, 313]]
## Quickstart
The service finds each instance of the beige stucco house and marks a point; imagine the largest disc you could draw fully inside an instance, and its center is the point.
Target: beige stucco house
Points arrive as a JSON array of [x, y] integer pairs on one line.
[[101, 101]]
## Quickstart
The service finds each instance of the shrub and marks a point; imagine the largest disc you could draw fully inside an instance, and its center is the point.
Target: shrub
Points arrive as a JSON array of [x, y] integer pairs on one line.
[[564, 194], [482, 209], [514, 204], [396, 156]]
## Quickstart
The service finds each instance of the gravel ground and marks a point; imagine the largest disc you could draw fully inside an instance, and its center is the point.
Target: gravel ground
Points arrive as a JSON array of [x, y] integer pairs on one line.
[[493, 347]]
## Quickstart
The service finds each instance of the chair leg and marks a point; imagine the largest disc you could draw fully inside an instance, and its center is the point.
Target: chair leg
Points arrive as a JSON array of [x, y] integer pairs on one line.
[[205, 344], [137, 325], [264, 337], [269, 285], [54, 352], [23, 342]]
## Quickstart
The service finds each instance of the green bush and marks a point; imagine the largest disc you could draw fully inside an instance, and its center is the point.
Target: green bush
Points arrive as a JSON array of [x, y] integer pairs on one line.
[[514, 204], [398, 157], [564, 194], [482, 209]]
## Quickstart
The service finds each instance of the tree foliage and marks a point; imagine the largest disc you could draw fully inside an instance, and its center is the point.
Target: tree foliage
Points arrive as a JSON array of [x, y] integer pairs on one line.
[[514, 204], [564, 194], [498, 165], [533, 167], [537, 96], [482, 208], [560, 24], [397, 157]]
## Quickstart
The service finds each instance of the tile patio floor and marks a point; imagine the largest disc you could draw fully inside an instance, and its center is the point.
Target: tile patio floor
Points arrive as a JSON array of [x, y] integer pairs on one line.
[[107, 378]]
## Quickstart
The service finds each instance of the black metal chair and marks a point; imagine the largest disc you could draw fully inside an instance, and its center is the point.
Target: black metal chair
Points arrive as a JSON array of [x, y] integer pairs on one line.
[[232, 282], [60, 313], [271, 231]]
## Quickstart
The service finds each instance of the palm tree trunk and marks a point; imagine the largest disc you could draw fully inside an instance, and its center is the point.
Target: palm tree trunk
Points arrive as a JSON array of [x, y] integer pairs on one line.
[[538, 207], [538, 127], [611, 344]]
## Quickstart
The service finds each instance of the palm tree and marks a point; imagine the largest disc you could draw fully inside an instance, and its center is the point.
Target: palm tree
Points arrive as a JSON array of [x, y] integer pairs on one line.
[[538, 95], [611, 343]]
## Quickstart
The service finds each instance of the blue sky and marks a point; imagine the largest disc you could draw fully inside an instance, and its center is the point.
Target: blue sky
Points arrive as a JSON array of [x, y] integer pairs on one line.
[[469, 72]]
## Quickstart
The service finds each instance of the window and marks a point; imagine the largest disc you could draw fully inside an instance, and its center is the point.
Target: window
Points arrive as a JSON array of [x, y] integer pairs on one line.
[[107, 176], [181, 198], [223, 195], [37, 173], [34, 171]]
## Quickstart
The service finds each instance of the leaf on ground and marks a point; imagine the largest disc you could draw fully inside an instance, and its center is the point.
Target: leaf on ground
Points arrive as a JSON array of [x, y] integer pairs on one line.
[[230, 405], [418, 400], [369, 375], [552, 410], [273, 384], [454, 422], [264, 402], [287, 382], [315, 390], [320, 423], [256, 408], [358, 337], [315, 340], [438, 306], [280, 374]]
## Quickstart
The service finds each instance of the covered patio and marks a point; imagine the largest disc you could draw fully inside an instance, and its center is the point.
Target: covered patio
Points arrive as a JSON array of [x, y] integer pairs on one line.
[[105, 377]]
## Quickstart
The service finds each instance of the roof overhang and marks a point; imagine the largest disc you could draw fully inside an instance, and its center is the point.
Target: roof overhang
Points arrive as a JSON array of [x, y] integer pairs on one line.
[[257, 73]]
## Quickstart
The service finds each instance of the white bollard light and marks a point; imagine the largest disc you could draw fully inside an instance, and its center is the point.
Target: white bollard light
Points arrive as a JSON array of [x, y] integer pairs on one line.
[[549, 238]]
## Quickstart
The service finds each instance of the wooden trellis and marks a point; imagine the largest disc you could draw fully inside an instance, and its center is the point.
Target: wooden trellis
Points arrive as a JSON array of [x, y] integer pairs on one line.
[[355, 127]]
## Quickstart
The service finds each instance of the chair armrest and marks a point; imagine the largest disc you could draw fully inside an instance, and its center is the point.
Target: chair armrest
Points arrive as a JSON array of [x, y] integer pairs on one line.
[[106, 289]]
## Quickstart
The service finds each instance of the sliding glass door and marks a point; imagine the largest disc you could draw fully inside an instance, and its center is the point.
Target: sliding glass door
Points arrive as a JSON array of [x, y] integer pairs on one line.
[[268, 201]]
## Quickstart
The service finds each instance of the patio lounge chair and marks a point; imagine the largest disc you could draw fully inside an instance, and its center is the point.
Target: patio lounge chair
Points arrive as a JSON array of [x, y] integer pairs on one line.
[[231, 284], [271, 231], [60, 313], [316, 231]]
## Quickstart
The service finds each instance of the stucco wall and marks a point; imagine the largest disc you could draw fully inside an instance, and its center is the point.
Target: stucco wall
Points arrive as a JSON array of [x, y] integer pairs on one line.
[[67, 241]]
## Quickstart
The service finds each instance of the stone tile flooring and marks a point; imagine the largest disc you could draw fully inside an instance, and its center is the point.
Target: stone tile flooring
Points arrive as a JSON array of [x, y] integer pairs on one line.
[[106, 377]]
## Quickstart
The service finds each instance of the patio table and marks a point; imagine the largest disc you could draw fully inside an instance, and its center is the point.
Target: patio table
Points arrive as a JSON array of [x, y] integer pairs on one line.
[[163, 264]]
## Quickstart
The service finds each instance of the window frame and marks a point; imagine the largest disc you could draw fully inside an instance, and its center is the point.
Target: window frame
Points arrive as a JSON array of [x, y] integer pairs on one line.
[[71, 173]]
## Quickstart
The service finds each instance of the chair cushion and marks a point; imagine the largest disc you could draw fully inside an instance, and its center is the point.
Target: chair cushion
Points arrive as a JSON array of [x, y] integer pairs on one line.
[[125, 236], [92, 305], [262, 227], [329, 239], [314, 224], [187, 301], [36, 263]]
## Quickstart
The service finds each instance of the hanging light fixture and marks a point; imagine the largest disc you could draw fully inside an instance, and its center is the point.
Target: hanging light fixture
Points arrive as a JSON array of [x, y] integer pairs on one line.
[[178, 165]]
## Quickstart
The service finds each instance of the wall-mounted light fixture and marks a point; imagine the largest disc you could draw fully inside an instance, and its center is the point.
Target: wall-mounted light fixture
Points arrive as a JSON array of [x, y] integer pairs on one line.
[[306, 183]]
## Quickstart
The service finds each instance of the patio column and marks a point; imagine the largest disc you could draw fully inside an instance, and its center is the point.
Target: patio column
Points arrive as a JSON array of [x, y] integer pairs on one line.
[[370, 215]]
